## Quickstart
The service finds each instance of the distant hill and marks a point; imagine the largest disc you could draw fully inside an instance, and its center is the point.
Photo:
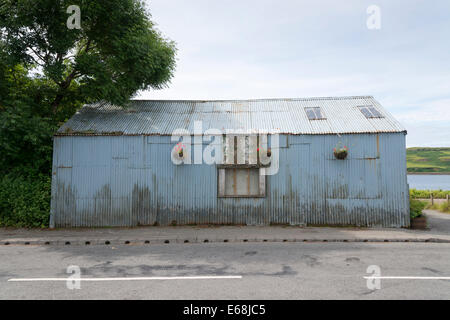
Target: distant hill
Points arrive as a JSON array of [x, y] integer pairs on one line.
[[428, 160]]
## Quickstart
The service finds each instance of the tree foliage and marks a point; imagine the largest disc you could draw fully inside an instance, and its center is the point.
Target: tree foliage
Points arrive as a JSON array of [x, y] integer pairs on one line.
[[48, 71], [117, 51], [26, 123]]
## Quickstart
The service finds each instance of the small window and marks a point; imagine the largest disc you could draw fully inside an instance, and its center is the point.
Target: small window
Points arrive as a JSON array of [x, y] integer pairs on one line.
[[375, 112], [314, 113], [241, 182], [370, 112]]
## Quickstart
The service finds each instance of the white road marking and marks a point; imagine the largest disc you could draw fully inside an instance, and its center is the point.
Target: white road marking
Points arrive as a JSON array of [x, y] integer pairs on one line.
[[126, 278], [409, 278]]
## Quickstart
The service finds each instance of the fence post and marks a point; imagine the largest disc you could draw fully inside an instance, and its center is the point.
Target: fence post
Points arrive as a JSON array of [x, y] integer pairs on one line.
[[432, 199], [448, 200]]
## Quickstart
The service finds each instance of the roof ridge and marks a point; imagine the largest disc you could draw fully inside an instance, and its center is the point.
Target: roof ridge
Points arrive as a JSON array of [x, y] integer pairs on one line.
[[258, 100]]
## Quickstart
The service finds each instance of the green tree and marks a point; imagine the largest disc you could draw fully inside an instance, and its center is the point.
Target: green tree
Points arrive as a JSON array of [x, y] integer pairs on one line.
[[117, 51], [48, 71]]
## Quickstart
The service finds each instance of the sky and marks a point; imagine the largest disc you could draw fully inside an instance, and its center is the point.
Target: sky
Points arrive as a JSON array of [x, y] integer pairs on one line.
[[256, 49]]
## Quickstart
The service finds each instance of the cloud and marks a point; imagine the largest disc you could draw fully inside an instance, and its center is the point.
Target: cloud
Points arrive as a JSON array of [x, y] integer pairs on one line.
[[267, 49], [432, 111]]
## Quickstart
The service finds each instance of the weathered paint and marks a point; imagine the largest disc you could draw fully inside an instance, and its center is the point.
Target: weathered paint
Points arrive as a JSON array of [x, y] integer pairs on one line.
[[131, 180]]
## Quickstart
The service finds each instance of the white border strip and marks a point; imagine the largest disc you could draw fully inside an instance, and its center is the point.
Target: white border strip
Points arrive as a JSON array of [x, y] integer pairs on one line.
[[125, 278]]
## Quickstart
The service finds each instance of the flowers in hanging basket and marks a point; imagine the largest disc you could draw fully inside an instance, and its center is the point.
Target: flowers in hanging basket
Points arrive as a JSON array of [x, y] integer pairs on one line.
[[267, 152], [340, 153], [179, 150]]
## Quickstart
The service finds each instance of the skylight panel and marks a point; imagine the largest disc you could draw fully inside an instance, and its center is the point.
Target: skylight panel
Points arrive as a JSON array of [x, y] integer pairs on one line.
[[314, 113], [375, 112], [370, 112], [318, 113]]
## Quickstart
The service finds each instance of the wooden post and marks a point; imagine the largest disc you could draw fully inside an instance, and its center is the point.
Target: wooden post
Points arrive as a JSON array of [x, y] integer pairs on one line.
[[432, 200], [448, 200]]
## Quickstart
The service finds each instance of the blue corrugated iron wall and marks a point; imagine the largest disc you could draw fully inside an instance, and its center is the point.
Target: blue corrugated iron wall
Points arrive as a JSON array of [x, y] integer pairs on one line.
[[130, 180]]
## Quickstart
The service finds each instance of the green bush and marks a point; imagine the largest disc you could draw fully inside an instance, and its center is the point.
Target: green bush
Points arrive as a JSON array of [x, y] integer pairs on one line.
[[25, 200], [426, 194], [25, 139], [443, 207], [416, 208]]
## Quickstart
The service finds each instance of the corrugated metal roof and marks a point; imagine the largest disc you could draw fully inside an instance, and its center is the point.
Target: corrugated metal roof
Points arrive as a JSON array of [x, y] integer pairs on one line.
[[162, 117]]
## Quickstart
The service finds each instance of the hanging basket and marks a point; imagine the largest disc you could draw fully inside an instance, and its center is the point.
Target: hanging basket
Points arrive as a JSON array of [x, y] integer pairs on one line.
[[267, 152], [179, 152], [340, 153]]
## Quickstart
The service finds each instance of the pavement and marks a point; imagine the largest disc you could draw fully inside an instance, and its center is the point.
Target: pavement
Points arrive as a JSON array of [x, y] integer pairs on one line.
[[438, 231], [294, 270], [235, 263]]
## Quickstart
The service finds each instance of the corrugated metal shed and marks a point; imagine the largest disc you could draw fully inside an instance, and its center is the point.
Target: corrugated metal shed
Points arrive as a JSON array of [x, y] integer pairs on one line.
[[288, 116], [130, 180], [113, 167]]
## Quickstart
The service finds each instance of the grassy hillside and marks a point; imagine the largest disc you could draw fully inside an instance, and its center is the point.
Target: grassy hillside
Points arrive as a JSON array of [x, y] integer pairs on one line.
[[428, 160]]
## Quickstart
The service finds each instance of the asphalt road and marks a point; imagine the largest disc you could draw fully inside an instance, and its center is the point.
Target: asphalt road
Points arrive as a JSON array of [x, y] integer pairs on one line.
[[268, 271]]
